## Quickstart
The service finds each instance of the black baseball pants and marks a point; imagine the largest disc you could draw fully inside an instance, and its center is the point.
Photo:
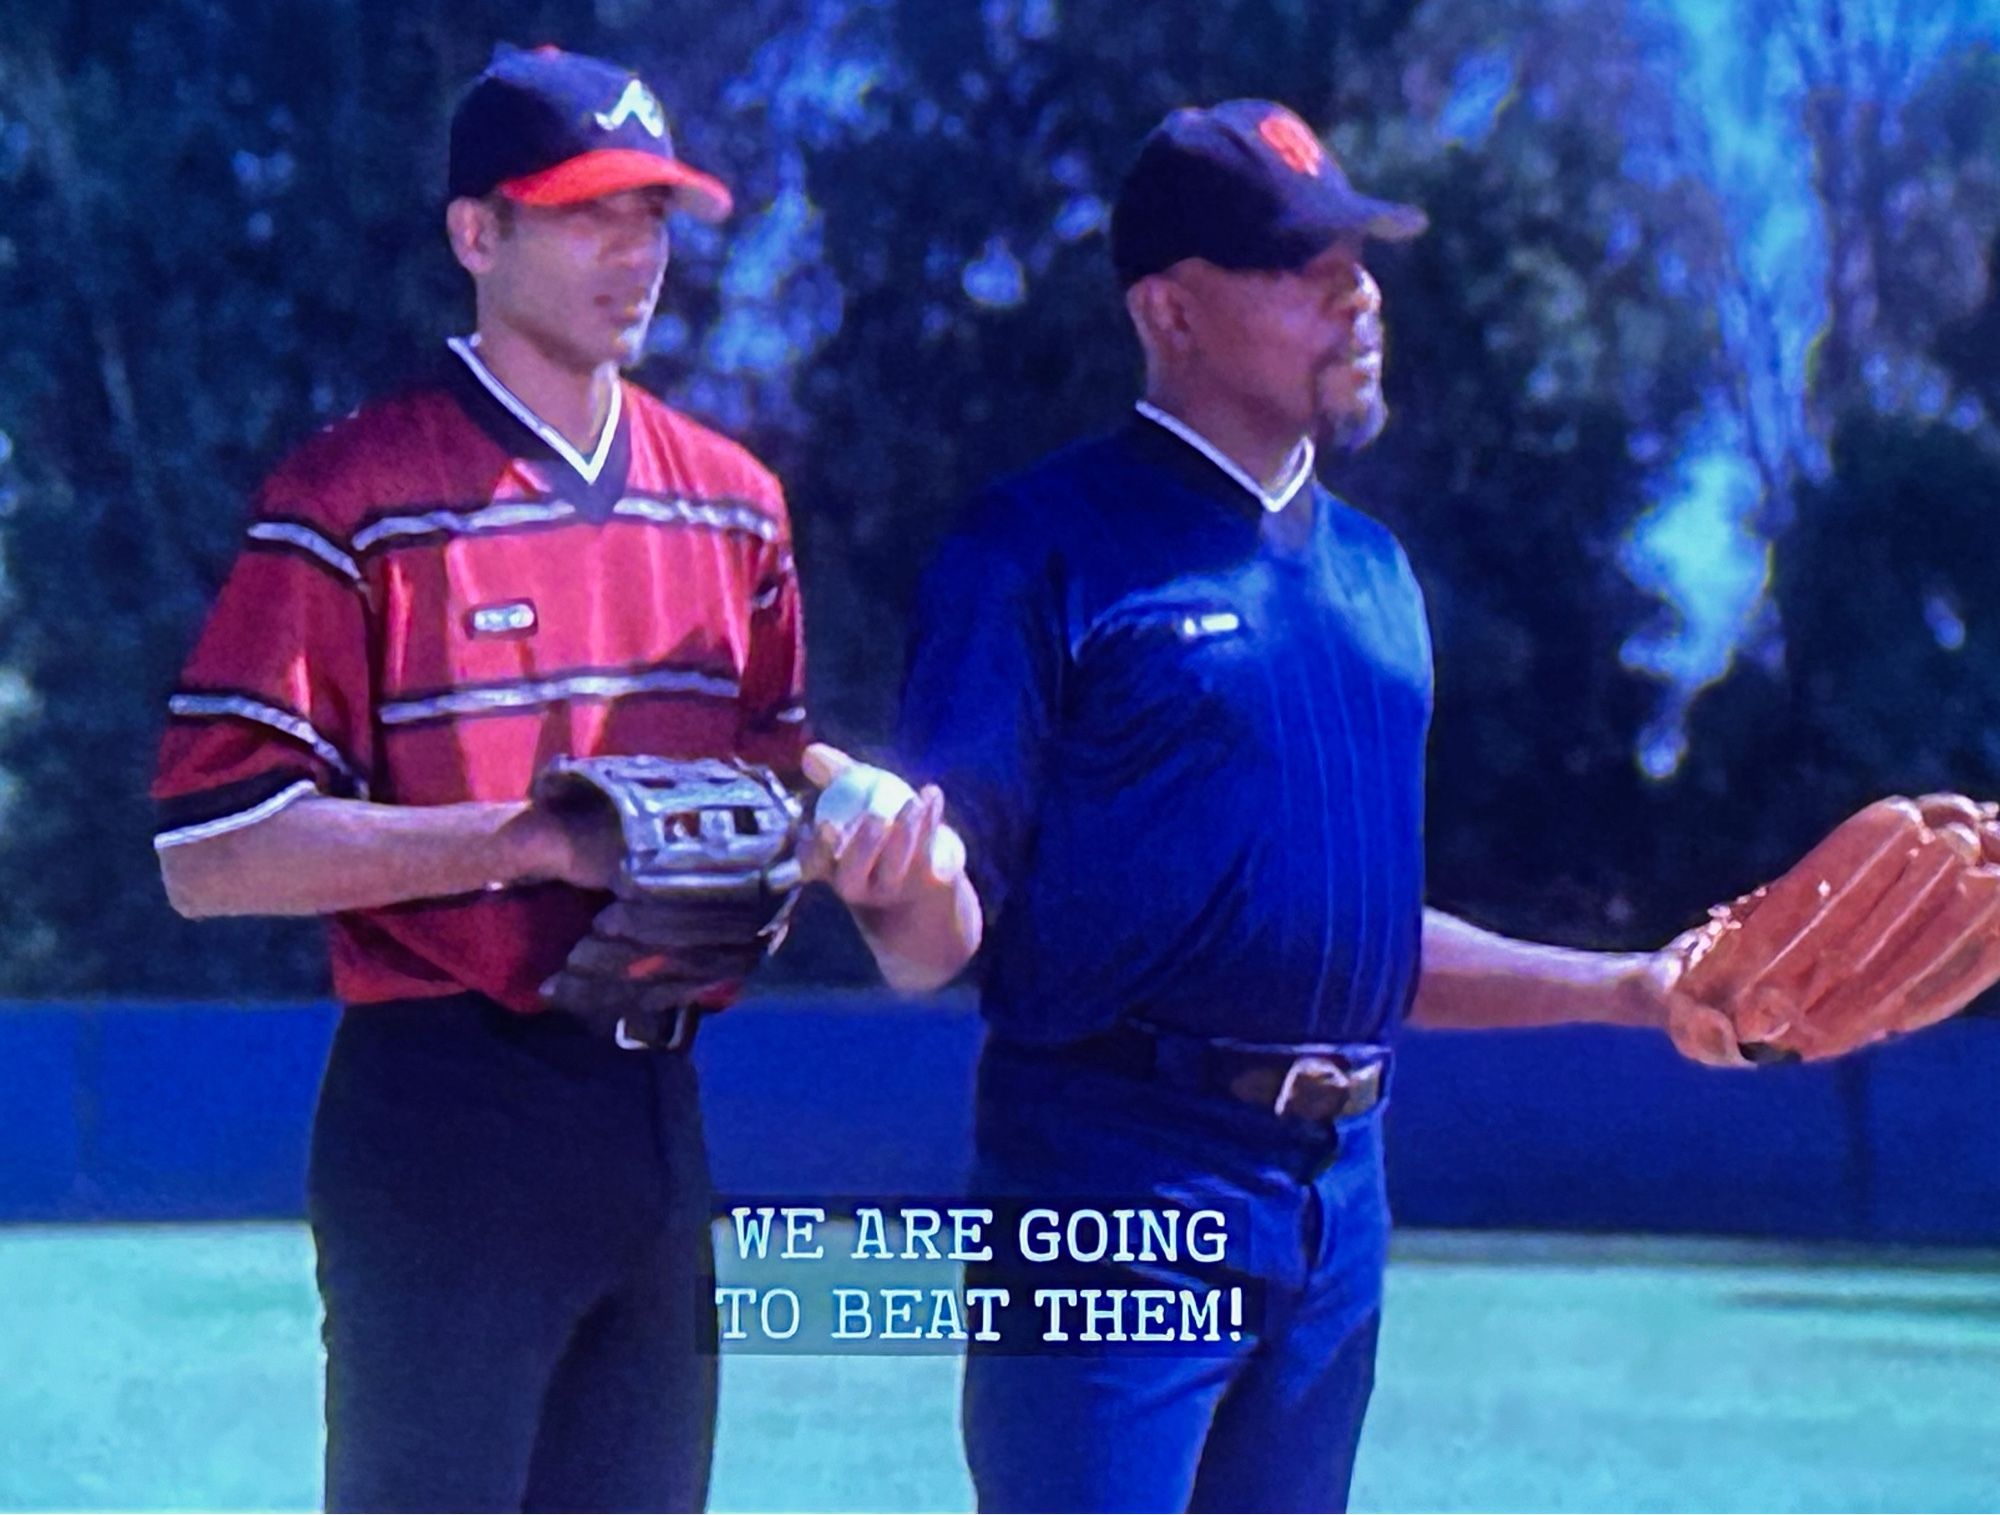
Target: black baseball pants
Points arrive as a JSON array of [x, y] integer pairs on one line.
[[511, 1219]]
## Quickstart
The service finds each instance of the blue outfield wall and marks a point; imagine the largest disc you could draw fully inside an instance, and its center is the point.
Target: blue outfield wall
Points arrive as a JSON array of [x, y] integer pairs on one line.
[[201, 1111]]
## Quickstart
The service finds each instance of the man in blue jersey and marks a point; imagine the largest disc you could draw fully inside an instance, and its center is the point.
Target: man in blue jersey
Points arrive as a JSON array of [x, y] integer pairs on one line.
[[1180, 693]]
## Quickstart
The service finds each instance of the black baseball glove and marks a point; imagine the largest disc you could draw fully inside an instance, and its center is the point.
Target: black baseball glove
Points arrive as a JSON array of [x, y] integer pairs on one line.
[[705, 891]]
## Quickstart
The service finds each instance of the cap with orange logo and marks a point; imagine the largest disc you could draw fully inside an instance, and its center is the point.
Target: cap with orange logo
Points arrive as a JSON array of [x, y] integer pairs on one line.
[[1243, 185]]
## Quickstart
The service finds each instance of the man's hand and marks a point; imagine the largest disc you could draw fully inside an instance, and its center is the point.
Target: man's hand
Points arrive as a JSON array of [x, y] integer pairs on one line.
[[1699, 1032], [583, 849], [703, 881], [874, 864], [903, 879]]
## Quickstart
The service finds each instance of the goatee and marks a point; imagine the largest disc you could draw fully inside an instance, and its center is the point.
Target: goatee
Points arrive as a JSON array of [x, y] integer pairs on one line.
[[1353, 428]]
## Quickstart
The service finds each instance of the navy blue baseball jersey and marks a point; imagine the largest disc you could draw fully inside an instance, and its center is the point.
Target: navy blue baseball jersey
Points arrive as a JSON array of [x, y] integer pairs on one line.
[[1183, 735]]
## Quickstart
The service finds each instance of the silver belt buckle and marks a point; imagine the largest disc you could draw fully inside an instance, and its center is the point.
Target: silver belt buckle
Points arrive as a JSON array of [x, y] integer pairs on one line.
[[1318, 1089], [684, 1023]]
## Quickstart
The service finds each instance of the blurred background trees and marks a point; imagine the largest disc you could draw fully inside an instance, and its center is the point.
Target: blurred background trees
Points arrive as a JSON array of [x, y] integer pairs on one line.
[[1707, 306]]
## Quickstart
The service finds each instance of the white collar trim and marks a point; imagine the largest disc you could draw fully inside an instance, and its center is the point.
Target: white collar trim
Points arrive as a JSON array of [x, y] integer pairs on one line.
[[589, 467], [1272, 500]]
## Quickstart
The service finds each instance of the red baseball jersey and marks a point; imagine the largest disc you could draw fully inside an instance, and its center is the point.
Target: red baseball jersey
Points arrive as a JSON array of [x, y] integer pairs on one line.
[[437, 596]]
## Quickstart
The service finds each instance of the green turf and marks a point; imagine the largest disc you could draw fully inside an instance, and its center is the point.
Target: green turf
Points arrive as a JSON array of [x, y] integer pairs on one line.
[[177, 1368]]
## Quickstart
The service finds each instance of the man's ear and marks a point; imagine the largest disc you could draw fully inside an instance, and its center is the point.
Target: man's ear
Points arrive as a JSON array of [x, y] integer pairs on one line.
[[1158, 307], [474, 230]]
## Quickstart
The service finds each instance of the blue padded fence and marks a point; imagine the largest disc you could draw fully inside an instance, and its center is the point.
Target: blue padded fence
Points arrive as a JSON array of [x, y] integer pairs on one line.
[[201, 1111]]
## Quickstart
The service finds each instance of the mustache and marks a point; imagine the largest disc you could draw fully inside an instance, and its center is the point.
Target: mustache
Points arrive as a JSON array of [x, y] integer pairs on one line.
[[1364, 340], [1346, 357], [1353, 352]]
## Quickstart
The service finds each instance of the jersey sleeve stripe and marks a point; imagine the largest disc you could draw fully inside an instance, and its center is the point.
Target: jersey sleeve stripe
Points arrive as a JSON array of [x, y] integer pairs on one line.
[[306, 540], [180, 836], [192, 706], [177, 812]]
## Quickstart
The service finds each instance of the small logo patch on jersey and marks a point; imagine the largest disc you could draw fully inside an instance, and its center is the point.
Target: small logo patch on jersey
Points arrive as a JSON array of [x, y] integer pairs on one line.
[[516, 618], [1214, 623]]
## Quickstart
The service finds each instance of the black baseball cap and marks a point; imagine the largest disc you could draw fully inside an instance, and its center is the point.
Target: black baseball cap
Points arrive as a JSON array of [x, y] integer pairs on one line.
[[546, 127], [1243, 185]]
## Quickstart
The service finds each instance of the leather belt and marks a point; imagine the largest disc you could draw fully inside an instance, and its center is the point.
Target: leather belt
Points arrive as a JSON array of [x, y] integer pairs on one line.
[[658, 1030], [1293, 1083]]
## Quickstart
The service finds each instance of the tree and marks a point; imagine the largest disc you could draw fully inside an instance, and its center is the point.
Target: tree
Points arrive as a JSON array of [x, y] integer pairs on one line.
[[1886, 677], [220, 235]]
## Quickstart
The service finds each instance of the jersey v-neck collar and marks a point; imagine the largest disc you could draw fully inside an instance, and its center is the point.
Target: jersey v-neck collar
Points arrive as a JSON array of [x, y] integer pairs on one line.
[[601, 475], [588, 468], [1271, 501]]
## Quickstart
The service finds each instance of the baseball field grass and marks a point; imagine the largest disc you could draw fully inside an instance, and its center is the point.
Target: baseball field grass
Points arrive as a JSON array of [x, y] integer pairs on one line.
[[177, 1368]]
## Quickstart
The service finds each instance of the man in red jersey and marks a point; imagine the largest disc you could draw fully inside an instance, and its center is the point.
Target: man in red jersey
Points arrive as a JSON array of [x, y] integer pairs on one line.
[[524, 558]]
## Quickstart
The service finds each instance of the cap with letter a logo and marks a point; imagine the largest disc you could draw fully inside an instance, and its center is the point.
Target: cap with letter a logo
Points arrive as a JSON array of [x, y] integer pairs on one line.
[[1243, 185], [546, 127]]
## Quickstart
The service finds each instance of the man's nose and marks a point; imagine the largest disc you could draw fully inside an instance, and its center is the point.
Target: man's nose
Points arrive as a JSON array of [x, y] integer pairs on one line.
[[1360, 311], [640, 242]]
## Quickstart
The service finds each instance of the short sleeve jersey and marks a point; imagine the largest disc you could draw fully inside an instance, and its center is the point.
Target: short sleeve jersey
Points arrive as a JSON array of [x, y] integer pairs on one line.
[[1184, 737], [437, 596]]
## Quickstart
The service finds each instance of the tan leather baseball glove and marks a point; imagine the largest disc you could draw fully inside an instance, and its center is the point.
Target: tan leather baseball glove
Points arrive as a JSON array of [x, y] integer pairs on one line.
[[1890, 924]]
